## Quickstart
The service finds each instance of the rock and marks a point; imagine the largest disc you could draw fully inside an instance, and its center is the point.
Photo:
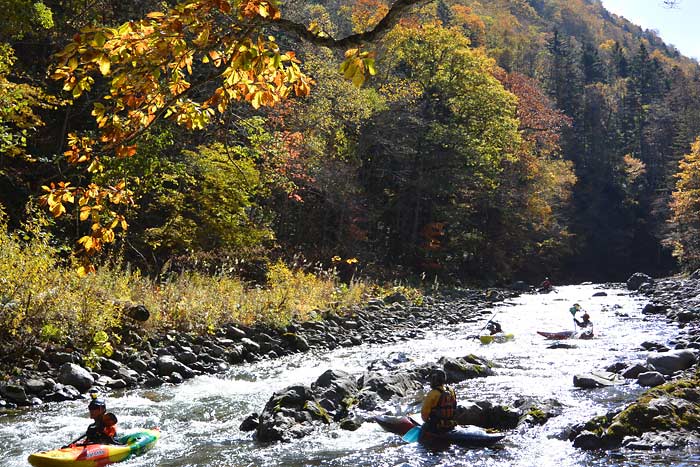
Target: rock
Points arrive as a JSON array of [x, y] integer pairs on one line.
[[637, 279], [14, 393], [138, 365], [650, 379], [232, 332], [250, 423], [166, 365], [137, 312], [668, 363], [335, 385], [396, 297], [109, 366], [389, 385], [351, 423], [59, 358], [653, 309], [600, 294], [250, 345], [596, 380], [76, 376], [187, 357], [687, 316], [661, 441], [589, 441], [62, 393], [460, 369], [297, 342], [634, 371], [35, 386], [470, 413]]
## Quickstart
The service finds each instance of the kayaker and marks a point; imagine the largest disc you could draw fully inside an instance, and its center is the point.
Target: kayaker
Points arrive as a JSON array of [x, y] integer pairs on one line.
[[585, 321], [546, 285], [103, 429], [494, 327], [439, 406]]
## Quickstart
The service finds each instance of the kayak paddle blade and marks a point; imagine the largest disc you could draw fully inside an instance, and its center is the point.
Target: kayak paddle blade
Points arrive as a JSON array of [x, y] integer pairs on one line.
[[412, 435]]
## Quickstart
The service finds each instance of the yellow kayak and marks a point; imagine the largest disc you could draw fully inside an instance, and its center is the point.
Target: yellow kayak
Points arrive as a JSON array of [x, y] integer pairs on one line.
[[499, 338], [97, 455]]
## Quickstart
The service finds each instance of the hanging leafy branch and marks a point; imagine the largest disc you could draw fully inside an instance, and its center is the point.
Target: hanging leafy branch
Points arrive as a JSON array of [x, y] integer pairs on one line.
[[184, 64]]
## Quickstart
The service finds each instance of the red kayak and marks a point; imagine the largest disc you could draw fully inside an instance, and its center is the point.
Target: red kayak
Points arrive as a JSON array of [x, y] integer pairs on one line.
[[565, 335], [471, 436], [556, 335]]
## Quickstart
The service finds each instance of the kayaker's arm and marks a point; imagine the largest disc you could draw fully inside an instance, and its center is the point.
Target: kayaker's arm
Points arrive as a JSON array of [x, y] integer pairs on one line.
[[73, 442]]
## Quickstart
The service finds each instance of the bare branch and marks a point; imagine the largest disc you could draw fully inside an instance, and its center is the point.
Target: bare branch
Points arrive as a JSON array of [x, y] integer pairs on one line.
[[397, 9]]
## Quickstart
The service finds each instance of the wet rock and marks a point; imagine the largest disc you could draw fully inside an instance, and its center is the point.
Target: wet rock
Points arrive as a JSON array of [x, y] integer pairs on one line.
[[634, 371], [76, 376], [600, 294], [669, 362], [461, 369], [596, 380], [470, 413], [637, 279], [351, 423], [650, 379], [250, 423], [250, 345], [335, 386], [661, 441], [61, 392], [653, 309], [616, 367], [591, 441], [389, 385], [687, 316]]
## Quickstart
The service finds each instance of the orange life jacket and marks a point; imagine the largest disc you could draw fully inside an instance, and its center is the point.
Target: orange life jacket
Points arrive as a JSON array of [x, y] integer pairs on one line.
[[443, 414]]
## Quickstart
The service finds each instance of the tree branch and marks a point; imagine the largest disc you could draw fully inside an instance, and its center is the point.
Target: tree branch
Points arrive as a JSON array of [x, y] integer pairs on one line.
[[395, 13]]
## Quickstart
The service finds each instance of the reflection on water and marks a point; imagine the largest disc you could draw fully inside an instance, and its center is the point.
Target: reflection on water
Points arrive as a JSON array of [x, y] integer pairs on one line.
[[200, 418]]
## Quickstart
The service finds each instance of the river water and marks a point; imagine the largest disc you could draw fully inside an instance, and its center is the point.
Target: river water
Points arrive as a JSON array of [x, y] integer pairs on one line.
[[199, 419]]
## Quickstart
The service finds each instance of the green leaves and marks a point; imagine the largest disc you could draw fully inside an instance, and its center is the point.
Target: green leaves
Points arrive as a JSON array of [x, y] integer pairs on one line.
[[357, 65]]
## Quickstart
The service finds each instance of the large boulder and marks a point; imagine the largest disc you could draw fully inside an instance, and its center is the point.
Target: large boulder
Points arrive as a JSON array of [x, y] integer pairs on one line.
[[651, 379], [460, 369], [389, 385], [668, 363], [637, 279], [335, 386], [74, 375]]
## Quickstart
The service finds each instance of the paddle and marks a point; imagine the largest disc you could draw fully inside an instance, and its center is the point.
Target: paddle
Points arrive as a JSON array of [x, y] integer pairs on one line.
[[487, 323], [73, 442]]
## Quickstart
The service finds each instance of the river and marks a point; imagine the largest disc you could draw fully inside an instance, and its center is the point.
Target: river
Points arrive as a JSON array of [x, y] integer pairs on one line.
[[199, 419]]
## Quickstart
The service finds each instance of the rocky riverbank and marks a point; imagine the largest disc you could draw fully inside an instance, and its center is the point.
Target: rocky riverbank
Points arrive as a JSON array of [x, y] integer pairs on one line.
[[55, 374], [667, 416]]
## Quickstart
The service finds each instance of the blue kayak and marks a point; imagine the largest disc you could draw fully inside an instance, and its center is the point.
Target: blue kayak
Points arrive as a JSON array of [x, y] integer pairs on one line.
[[467, 436]]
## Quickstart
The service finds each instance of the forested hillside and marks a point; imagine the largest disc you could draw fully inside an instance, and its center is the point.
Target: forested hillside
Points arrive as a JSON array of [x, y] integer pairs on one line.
[[478, 141]]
